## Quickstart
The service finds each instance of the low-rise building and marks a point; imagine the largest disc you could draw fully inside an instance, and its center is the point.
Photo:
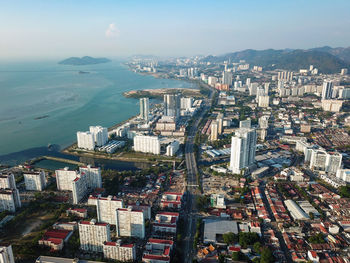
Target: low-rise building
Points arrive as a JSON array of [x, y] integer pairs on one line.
[[157, 251]]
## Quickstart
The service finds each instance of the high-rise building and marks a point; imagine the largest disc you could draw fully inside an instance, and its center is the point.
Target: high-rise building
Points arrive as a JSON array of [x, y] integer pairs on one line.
[[327, 90], [93, 235], [285, 76], [186, 103], [266, 88], [324, 161], [264, 122], [7, 181], [9, 200], [214, 131], [85, 140], [172, 105], [147, 144], [172, 148], [35, 181], [6, 254], [220, 121], [100, 135], [263, 101], [144, 108], [344, 71], [80, 183], [130, 223], [243, 148], [117, 251], [212, 81], [94, 176], [106, 208], [227, 78]]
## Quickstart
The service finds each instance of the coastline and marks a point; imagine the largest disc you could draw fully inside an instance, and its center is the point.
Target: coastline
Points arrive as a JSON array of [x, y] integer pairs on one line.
[[97, 155]]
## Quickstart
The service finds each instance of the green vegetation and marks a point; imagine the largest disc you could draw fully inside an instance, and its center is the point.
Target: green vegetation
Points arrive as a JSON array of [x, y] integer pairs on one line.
[[198, 231], [202, 202], [344, 191], [317, 239], [245, 239]]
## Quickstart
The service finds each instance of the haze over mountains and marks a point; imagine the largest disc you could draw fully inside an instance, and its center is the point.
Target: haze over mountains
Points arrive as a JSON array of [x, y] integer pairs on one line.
[[326, 59]]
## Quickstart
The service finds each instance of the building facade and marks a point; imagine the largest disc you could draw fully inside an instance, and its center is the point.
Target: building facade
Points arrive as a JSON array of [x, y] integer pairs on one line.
[[93, 235], [144, 108], [147, 144], [117, 251], [243, 146], [130, 223], [35, 181]]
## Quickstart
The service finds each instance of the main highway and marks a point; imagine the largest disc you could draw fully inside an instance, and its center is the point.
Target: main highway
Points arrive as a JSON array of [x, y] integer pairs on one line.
[[192, 184]]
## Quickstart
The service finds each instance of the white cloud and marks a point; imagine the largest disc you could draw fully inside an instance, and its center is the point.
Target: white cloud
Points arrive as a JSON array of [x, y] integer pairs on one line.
[[112, 31]]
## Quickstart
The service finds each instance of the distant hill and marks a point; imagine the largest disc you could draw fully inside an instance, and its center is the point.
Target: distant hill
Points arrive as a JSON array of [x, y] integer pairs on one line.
[[83, 61], [340, 52], [327, 60]]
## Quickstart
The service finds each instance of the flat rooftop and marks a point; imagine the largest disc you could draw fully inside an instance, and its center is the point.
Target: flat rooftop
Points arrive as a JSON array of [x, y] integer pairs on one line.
[[46, 259], [213, 227]]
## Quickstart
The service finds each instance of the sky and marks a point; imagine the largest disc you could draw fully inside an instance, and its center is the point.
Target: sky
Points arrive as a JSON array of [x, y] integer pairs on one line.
[[119, 28]]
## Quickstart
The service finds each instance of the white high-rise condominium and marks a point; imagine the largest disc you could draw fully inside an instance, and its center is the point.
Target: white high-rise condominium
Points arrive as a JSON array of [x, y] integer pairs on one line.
[[64, 178], [263, 101], [117, 251], [94, 176], [93, 235], [220, 121], [144, 108], [106, 208], [7, 181], [6, 254], [327, 90], [321, 160], [186, 103], [243, 148], [35, 181], [100, 135], [147, 144], [130, 223], [85, 140], [9, 200]]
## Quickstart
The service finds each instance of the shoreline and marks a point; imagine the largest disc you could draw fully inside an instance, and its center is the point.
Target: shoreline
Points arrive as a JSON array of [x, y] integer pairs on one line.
[[65, 149]]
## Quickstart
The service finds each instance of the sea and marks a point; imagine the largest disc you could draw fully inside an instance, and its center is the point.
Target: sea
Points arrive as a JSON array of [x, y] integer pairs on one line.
[[44, 103]]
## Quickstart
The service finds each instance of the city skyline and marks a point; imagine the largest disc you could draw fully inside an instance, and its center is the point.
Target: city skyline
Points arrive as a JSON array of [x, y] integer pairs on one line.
[[118, 29]]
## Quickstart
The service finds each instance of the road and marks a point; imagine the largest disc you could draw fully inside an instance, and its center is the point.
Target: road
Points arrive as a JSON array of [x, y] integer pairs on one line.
[[192, 185]]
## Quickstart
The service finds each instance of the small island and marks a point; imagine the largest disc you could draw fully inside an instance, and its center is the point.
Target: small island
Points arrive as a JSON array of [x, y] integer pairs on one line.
[[75, 61]]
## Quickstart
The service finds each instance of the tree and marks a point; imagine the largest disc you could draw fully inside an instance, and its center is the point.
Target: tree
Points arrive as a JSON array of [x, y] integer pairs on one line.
[[257, 247], [230, 238], [266, 256], [312, 216]]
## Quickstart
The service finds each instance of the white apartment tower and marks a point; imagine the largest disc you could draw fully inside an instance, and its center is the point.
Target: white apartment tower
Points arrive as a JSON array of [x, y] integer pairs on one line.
[[147, 144], [130, 223], [227, 78], [85, 140], [144, 108], [6, 254], [117, 251], [106, 208], [35, 181], [9, 200], [186, 103], [93, 235], [94, 176], [100, 135], [7, 181], [324, 161], [243, 148]]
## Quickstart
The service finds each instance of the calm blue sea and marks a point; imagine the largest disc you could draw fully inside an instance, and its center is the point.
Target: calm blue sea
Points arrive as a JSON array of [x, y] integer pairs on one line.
[[72, 102]]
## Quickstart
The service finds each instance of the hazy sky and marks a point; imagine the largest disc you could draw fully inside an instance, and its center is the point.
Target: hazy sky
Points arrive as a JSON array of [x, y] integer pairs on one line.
[[61, 28]]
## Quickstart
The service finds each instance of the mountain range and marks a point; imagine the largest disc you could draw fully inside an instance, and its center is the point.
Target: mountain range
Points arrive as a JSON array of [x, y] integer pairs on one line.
[[326, 59]]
